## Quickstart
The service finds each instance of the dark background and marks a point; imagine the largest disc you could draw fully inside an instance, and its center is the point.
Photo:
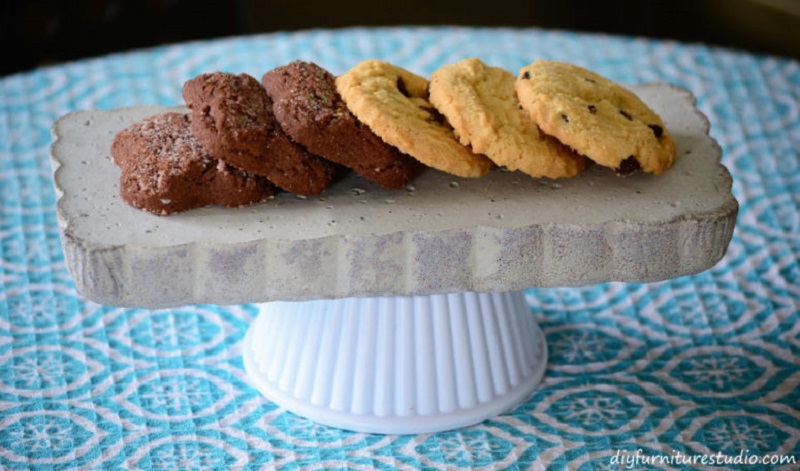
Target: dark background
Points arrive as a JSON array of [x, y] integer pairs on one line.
[[40, 32]]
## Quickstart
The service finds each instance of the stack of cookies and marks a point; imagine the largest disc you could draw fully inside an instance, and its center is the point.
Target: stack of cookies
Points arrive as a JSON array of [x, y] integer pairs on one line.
[[299, 128]]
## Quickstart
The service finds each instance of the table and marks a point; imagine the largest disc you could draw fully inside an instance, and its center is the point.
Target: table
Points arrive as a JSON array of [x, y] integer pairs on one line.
[[700, 367]]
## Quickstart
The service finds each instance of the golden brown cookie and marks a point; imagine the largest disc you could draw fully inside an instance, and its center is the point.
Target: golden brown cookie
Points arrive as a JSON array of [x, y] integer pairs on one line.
[[595, 116], [393, 102], [480, 103]]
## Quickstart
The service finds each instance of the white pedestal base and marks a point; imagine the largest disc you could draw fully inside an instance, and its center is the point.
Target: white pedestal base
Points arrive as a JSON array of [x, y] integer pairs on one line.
[[398, 365]]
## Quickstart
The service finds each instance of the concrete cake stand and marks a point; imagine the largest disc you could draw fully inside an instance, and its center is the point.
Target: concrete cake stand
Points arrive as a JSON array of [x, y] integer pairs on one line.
[[395, 311]]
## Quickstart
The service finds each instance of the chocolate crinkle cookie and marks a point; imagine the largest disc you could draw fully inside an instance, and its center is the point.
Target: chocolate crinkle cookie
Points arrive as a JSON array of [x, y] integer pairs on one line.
[[310, 110], [166, 170], [232, 117]]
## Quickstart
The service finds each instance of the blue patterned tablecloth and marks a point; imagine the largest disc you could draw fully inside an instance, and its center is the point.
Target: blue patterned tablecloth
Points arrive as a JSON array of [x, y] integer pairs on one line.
[[694, 367]]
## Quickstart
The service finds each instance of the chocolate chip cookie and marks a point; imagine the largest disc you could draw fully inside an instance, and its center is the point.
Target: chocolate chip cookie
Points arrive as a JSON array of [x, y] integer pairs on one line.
[[595, 116], [480, 103], [393, 102]]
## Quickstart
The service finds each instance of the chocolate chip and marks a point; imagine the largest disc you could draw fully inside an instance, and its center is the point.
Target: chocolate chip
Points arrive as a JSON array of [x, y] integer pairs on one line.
[[526, 75], [434, 116], [627, 166], [626, 115], [592, 109], [401, 86], [657, 130], [565, 118], [590, 80]]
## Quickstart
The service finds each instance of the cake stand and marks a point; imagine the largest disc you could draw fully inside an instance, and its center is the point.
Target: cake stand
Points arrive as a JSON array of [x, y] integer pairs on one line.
[[395, 311]]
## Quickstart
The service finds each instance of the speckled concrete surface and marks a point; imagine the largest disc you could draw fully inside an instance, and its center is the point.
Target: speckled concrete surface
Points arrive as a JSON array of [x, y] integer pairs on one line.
[[501, 232]]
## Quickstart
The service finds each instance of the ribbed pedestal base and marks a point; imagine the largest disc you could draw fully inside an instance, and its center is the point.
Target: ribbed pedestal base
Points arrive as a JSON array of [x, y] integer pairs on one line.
[[397, 365]]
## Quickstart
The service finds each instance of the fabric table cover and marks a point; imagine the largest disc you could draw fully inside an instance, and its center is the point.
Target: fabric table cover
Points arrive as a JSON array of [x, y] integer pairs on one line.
[[667, 375]]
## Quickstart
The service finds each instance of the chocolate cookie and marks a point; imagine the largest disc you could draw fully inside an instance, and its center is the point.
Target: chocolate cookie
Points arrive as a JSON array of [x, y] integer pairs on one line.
[[232, 117], [393, 102], [480, 103], [166, 170], [311, 111], [595, 116]]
